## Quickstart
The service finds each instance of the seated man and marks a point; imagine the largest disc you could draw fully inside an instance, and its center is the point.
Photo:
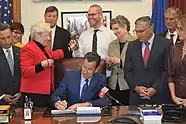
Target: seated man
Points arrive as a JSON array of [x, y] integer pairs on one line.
[[81, 88]]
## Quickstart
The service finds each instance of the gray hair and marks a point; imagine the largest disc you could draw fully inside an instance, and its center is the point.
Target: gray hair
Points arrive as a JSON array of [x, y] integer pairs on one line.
[[39, 27], [4, 26], [146, 20]]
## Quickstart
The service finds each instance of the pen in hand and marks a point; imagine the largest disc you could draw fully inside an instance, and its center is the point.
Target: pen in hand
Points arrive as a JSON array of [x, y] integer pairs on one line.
[[61, 104]]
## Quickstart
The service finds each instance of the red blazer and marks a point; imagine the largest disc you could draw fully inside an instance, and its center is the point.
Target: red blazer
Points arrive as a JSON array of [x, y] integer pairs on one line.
[[42, 82]]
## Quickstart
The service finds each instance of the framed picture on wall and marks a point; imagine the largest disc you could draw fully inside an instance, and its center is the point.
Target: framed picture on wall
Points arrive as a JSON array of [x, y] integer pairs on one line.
[[77, 22]]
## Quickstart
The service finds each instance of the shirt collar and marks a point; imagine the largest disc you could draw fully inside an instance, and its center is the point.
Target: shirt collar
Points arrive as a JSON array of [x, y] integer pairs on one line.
[[151, 39], [175, 33], [11, 50], [53, 29], [101, 28]]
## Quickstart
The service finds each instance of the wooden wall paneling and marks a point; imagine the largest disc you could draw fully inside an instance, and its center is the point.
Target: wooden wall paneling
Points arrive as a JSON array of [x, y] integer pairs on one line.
[[16, 10]]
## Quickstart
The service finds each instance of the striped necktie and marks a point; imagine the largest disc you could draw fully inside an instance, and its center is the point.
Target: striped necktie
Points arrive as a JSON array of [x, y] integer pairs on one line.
[[10, 61]]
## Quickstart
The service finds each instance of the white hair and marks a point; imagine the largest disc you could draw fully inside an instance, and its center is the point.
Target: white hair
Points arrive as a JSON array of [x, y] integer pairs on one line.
[[39, 27]]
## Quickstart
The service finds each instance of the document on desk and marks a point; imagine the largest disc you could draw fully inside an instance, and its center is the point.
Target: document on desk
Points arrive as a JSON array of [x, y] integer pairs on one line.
[[59, 112], [88, 110]]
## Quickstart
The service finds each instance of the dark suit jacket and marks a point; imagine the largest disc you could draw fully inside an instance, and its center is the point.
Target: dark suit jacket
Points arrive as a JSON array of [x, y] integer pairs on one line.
[[61, 41], [177, 70], [10, 84], [69, 89], [154, 75], [163, 34]]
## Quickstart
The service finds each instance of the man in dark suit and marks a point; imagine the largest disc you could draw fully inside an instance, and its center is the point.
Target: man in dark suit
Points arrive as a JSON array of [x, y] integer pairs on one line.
[[60, 39], [10, 72], [171, 14], [146, 65], [82, 88]]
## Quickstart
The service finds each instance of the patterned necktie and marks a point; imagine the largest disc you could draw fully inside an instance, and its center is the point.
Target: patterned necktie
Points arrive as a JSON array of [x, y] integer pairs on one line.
[[94, 42], [10, 61], [171, 38], [85, 87], [146, 54]]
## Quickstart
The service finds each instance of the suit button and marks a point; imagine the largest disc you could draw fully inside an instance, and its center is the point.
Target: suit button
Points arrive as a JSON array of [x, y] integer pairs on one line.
[[118, 67], [117, 73]]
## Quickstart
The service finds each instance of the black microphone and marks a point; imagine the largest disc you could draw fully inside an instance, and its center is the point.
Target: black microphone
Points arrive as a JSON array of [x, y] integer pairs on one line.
[[104, 91]]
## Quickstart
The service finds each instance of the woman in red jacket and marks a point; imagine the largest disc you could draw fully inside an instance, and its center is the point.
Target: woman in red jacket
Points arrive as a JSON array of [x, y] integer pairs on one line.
[[37, 64]]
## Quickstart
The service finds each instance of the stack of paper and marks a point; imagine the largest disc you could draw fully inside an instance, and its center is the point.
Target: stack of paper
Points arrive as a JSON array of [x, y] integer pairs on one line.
[[88, 110], [151, 114]]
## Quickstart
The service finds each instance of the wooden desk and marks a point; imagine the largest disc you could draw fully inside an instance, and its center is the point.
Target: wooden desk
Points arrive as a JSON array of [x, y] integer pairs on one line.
[[39, 119]]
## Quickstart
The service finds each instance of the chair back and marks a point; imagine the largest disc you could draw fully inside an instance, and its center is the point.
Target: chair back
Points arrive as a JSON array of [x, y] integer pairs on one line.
[[75, 64]]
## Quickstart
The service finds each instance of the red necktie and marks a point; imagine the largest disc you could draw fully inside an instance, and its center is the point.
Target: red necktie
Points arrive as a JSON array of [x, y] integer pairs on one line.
[[146, 54], [171, 38]]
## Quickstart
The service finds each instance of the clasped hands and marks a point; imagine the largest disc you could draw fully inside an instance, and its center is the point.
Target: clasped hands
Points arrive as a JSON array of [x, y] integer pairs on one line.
[[145, 93], [12, 99], [62, 105]]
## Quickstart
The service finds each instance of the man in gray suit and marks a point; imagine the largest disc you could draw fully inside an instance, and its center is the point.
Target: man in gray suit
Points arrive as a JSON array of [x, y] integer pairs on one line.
[[10, 72], [146, 65]]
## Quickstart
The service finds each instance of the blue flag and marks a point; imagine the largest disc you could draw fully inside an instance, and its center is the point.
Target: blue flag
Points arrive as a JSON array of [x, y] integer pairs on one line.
[[158, 19], [6, 15]]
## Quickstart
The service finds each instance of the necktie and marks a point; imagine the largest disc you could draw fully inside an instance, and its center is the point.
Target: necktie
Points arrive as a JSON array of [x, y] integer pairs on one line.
[[85, 87], [94, 42], [146, 53], [49, 45], [10, 61], [171, 38]]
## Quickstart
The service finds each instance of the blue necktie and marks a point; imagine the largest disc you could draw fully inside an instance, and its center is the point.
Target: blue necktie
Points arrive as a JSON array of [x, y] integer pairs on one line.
[[10, 61], [85, 87]]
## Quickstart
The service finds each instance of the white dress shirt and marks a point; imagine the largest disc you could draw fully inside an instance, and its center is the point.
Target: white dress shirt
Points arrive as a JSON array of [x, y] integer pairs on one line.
[[174, 38], [53, 34], [104, 37]]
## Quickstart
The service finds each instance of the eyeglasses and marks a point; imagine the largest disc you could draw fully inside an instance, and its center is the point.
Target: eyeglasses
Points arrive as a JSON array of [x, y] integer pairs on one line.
[[141, 30], [91, 14], [17, 32]]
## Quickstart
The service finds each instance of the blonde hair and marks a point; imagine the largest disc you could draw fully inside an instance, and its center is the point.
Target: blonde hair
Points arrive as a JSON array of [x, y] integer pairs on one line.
[[39, 27], [122, 21], [174, 9], [182, 20]]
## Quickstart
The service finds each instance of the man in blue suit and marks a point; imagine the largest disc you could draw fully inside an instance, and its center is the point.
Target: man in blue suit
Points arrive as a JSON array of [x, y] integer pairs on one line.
[[81, 88]]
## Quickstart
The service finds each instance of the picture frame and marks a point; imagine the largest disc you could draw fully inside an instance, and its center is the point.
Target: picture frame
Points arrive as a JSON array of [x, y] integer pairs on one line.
[[77, 22]]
